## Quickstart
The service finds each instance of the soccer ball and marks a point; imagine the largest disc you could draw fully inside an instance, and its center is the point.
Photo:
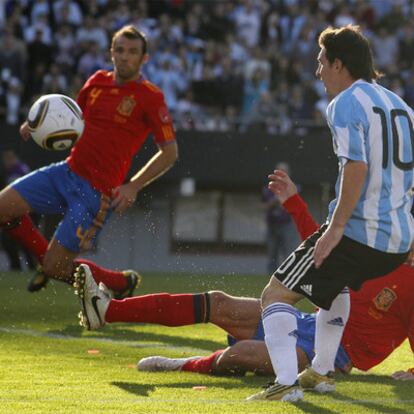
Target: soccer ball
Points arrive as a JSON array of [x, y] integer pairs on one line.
[[55, 122]]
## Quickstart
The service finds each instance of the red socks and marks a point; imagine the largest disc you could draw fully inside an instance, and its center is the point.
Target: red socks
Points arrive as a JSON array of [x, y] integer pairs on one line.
[[29, 236], [114, 280], [202, 365], [160, 308]]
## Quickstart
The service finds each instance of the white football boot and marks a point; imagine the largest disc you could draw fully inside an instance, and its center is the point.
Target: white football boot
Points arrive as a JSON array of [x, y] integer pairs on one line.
[[94, 300], [160, 363]]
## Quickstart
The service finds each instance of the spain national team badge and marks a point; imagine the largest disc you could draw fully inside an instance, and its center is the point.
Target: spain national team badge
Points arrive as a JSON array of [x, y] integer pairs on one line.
[[385, 299], [164, 115], [126, 106]]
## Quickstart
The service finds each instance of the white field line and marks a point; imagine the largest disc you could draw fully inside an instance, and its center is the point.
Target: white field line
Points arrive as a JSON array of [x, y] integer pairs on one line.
[[132, 344], [217, 401]]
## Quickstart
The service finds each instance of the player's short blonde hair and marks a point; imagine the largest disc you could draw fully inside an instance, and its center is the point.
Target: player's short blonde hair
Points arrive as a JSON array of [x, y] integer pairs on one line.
[[131, 32]]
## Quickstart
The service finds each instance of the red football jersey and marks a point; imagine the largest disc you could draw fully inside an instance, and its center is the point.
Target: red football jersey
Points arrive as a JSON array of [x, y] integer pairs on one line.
[[382, 311], [381, 319], [118, 119]]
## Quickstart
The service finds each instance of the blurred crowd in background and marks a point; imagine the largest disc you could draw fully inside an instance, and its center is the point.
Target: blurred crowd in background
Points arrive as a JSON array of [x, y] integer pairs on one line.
[[222, 65]]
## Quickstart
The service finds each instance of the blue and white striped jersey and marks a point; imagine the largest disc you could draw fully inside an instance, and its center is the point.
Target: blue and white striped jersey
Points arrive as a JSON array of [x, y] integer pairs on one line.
[[369, 123]]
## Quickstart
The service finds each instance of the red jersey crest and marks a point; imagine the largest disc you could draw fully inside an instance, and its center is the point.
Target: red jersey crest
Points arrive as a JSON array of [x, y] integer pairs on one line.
[[126, 106], [384, 299]]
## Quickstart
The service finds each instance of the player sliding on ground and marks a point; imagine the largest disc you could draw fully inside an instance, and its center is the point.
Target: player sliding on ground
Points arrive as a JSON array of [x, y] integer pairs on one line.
[[382, 315]]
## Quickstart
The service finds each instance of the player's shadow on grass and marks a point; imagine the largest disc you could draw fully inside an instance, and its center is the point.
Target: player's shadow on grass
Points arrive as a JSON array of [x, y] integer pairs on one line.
[[116, 333], [141, 390], [403, 389], [144, 389]]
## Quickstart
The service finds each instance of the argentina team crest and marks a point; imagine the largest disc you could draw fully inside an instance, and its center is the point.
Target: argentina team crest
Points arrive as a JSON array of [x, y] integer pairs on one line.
[[126, 106], [385, 299]]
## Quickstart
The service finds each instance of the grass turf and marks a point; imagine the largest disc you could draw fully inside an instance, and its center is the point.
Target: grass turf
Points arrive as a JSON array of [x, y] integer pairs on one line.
[[50, 365]]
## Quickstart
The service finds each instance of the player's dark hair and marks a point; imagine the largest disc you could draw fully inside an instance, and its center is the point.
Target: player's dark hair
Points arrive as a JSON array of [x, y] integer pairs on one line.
[[131, 32], [352, 48]]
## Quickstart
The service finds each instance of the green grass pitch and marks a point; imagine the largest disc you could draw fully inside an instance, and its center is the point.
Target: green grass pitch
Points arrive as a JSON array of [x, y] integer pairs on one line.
[[48, 364]]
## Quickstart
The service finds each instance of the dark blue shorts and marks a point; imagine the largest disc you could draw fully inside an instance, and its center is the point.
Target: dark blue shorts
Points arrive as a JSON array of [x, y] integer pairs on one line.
[[57, 189], [306, 338]]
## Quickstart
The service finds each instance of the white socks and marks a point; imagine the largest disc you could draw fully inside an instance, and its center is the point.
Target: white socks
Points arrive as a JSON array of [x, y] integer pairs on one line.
[[280, 327], [329, 328]]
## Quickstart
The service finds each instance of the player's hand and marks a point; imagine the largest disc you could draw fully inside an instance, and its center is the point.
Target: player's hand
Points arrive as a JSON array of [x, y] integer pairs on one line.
[[123, 197], [404, 375], [327, 242], [24, 131], [281, 185], [410, 258]]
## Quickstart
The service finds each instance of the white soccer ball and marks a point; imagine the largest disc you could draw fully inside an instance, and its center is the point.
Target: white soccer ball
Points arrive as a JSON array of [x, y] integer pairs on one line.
[[55, 122]]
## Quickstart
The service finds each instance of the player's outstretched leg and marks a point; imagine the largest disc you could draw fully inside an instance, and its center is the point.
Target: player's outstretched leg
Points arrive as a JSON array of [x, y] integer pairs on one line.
[[279, 392], [161, 363], [311, 380], [94, 300], [121, 283]]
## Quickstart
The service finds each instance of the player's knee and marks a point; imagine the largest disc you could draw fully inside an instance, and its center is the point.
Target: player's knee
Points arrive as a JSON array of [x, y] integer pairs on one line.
[[217, 298], [235, 357], [53, 267], [276, 292], [49, 266]]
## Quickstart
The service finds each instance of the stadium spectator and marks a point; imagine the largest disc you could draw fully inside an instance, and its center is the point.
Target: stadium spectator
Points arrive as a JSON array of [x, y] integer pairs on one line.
[[13, 169], [38, 8], [280, 33], [385, 47], [39, 30], [218, 24], [13, 55], [299, 107], [281, 237], [90, 61], [344, 16], [264, 114], [39, 52], [171, 82], [66, 47], [257, 61], [67, 12], [253, 90], [406, 47], [92, 31], [247, 20], [55, 80], [409, 90], [12, 75], [291, 24]]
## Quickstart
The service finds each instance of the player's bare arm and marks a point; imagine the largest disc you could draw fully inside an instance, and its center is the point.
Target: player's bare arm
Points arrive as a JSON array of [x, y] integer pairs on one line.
[[353, 178], [126, 194], [281, 185]]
